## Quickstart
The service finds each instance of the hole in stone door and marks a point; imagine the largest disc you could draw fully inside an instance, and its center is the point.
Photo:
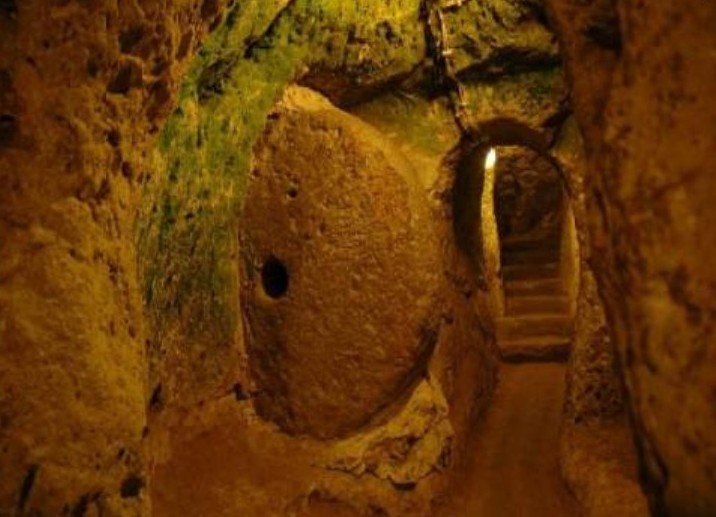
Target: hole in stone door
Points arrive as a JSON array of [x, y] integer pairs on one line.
[[274, 278]]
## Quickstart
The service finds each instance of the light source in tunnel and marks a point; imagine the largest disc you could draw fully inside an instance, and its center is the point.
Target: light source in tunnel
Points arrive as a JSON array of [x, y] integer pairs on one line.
[[274, 278], [491, 159], [489, 234]]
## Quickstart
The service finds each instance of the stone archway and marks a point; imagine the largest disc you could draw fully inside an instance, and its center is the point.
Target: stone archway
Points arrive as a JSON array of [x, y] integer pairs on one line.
[[538, 254]]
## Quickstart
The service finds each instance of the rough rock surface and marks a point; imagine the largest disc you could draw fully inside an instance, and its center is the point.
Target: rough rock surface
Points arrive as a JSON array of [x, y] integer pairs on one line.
[[528, 195], [84, 90], [185, 230], [504, 59], [195, 185], [414, 444], [594, 387], [358, 61], [595, 391], [498, 38], [84, 87], [390, 470], [598, 460], [355, 321], [648, 115]]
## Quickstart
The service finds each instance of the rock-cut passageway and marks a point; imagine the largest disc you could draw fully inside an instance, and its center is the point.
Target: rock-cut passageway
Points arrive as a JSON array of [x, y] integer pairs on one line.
[[255, 261], [537, 323], [515, 469]]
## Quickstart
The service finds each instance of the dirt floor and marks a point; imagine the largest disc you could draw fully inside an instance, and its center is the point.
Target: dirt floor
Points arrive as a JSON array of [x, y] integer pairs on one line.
[[515, 470]]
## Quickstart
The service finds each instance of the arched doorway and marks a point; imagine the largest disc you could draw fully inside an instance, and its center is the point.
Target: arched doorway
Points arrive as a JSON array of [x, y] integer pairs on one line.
[[538, 254]]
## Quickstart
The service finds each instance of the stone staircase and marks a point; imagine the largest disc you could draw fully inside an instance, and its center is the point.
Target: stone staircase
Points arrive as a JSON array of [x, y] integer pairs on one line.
[[537, 325]]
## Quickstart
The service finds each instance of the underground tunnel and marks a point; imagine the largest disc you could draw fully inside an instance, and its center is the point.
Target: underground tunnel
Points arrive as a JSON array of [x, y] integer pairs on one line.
[[320, 258]]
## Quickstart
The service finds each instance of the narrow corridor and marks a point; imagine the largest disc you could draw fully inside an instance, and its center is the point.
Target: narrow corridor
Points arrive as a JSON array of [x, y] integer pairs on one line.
[[537, 323], [331, 258], [515, 469]]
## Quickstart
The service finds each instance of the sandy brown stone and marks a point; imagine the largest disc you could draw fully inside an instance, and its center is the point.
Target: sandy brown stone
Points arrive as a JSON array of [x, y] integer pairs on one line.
[[339, 273], [599, 463], [77, 114], [647, 113], [596, 429], [364, 273], [398, 466], [528, 195], [413, 445], [594, 385]]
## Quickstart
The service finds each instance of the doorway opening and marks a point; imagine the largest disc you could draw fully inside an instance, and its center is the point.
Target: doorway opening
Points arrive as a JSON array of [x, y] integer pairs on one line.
[[538, 255]]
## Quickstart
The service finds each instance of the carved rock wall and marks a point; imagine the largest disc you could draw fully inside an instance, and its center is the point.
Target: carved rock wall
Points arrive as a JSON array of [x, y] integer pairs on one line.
[[648, 116], [84, 88]]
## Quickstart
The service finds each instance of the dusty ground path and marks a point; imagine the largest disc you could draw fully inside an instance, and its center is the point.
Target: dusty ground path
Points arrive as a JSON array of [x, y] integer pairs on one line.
[[515, 470]]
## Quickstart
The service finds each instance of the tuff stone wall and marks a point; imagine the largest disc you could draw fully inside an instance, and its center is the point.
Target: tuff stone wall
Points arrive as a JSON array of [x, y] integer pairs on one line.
[[594, 389], [379, 62], [648, 117], [445, 367], [598, 457], [84, 89], [102, 319], [528, 195]]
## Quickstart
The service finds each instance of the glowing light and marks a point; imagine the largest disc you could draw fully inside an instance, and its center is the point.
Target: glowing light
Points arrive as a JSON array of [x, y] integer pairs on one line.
[[491, 159]]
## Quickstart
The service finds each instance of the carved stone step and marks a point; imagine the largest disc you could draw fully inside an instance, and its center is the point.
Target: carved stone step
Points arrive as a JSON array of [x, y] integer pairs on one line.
[[524, 305], [529, 271], [544, 349], [533, 287], [533, 325], [531, 257]]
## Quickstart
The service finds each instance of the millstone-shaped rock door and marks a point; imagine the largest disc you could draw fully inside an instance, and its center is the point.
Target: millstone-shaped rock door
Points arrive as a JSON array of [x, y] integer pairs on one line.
[[340, 270]]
